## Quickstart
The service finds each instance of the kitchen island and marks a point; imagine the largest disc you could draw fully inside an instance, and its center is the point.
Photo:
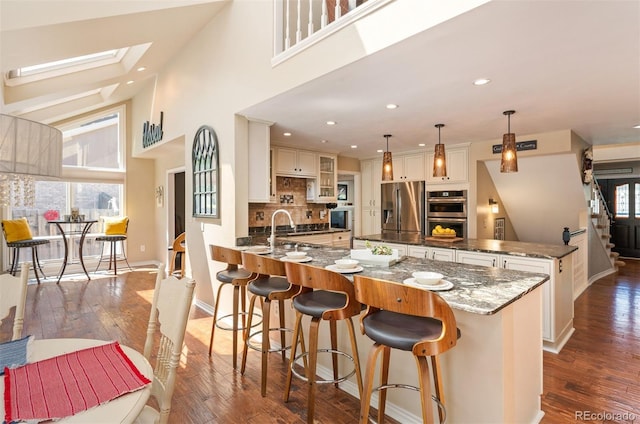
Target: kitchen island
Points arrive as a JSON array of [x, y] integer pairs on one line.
[[494, 373], [553, 259]]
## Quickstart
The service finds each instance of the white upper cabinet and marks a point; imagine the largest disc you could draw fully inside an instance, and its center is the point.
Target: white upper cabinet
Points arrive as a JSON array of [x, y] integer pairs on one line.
[[296, 163], [262, 181], [327, 178], [457, 166], [371, 173], [409, 167]]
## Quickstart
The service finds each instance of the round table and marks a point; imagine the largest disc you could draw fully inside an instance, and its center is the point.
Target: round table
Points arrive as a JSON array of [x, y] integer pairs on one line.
[[123, 409]]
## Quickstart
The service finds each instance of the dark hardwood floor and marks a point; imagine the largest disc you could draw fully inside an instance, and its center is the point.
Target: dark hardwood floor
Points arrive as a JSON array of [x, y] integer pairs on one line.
[[598, 371]]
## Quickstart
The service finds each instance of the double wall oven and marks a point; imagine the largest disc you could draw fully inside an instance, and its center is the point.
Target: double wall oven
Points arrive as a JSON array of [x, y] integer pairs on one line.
[[447, 209]]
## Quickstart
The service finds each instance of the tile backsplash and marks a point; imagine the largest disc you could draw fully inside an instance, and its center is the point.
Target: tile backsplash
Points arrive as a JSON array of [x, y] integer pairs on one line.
[[292, 196]]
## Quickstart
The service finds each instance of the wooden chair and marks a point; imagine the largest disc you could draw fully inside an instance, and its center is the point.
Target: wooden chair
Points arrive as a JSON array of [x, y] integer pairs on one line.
[[17, 234], [172, 300], [238, 277], [323, 295], [13, 293], [410, 319], [267, 283], [115, 230], [178, 248]]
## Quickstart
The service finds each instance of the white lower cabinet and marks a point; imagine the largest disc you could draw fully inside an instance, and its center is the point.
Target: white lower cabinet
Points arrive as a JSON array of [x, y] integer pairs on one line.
[[433, 253], [477, 258]]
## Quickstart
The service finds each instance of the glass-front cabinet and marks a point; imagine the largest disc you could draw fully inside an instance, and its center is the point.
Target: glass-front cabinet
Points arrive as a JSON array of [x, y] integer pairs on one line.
[[327, 178]]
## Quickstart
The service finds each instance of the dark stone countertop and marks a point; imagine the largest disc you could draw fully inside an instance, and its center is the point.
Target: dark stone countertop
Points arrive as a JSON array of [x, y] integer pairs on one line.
[[515, 248], [476, 289], [261, 238]]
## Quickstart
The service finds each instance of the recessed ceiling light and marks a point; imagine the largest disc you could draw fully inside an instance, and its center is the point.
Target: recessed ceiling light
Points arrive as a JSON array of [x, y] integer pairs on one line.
[[323, 141], [481, 81], [331, 122], [130, 82], [421, 144], [140, 69], [637, 126], [353, 146], [287, 134], [392, 106]]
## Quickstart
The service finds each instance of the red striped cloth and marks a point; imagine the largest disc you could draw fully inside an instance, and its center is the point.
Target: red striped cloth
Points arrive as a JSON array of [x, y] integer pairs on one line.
[[67, 384]]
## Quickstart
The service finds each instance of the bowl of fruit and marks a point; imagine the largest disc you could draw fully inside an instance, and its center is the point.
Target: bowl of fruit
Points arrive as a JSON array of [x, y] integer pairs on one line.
[[439, 231]]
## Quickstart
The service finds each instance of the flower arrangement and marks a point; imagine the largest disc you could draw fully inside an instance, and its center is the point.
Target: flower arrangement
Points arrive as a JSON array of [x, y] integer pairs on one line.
[[379, 249], [51, 215]]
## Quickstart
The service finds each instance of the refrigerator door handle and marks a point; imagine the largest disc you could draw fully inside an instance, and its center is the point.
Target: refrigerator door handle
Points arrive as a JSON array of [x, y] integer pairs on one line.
[[398, 208]]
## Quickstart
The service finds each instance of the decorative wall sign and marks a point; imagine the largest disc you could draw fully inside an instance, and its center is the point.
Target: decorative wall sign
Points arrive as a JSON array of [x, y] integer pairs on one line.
[[152, 133], [520, 146]]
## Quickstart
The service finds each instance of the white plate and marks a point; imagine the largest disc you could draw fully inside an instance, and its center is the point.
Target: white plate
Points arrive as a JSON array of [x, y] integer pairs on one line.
[[288, 259], [335, 268], [446, 285]]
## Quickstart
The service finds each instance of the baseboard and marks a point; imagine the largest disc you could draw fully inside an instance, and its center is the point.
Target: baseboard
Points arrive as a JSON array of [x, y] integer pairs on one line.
[[562, 339]]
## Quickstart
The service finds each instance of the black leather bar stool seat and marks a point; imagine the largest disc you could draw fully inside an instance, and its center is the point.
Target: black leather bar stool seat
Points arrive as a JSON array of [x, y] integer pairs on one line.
[[400, 331]]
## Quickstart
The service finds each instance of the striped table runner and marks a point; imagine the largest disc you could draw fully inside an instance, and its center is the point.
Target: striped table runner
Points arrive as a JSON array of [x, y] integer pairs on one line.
[[67, 384]]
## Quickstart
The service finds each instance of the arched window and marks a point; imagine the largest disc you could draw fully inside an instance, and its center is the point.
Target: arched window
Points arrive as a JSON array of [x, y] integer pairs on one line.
[[206, 173]]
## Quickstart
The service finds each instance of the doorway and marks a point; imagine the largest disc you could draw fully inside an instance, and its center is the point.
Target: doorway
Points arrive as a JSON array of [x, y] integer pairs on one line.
[[176, 207], [623, 200]]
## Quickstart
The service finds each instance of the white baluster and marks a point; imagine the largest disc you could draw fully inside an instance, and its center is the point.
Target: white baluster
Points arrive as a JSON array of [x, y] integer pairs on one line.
[[324, 18], [310, 26], [299, 24], [287, 38], [338, 10]]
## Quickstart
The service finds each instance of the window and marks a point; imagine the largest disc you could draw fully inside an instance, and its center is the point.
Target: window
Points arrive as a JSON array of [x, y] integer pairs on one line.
[[637, 204], [622, 201], [92, 181], [204, 157]]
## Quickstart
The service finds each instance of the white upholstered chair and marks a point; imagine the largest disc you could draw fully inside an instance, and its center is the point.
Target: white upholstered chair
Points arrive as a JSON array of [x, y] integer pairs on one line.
[[13, 293], [172, 300]]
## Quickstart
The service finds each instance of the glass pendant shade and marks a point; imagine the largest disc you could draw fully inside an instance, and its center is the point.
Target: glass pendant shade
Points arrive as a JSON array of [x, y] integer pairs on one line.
[[439, 157], [439, 162], [387, 163], [509, 162]]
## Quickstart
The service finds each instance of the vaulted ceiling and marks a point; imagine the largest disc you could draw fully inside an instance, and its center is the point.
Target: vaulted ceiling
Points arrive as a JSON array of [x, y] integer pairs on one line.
[[559, 64]]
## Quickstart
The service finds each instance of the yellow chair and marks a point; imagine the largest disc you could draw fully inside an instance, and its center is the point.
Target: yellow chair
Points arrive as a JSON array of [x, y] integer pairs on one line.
[[17, 233], [115, 230]]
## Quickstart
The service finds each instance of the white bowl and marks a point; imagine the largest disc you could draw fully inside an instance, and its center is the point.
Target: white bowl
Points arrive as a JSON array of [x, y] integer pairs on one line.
[[296, 255], [428, 278], [346, 263]]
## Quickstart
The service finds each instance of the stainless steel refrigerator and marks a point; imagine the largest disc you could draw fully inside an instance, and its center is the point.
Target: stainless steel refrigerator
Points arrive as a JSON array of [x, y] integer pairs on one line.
[[403, 207]]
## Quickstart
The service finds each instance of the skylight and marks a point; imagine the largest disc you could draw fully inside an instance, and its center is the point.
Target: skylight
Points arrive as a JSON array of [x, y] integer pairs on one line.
[[64, 66]]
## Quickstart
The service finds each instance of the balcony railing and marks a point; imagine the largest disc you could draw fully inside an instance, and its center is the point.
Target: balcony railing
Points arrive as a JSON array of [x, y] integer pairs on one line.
[[302, 23]]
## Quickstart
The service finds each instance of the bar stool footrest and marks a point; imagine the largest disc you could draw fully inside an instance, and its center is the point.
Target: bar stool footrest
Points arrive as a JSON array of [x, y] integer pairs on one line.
[[258, 347], [417, 389], [242, 328], [338, 380]]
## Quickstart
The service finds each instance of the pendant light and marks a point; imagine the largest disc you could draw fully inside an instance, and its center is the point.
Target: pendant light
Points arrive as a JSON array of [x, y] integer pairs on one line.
[[509, 161], [439, 158], [387, 163]]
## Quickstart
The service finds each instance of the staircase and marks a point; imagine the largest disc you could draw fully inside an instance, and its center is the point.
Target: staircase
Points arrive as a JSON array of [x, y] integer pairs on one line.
[[602, 219]]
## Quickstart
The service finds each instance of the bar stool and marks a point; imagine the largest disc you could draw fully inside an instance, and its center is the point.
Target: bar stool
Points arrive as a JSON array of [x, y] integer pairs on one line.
[[238, 277], [17, 234], [268, 283], [410, 319], [324, 295], [115, 230], [178, 248]]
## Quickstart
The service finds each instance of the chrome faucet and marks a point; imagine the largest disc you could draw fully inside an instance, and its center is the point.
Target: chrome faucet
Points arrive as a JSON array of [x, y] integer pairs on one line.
[[272, 239]]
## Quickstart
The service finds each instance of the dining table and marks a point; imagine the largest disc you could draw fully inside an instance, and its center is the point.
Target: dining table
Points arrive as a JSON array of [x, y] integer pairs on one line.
[[66, 228], [123, 409]]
